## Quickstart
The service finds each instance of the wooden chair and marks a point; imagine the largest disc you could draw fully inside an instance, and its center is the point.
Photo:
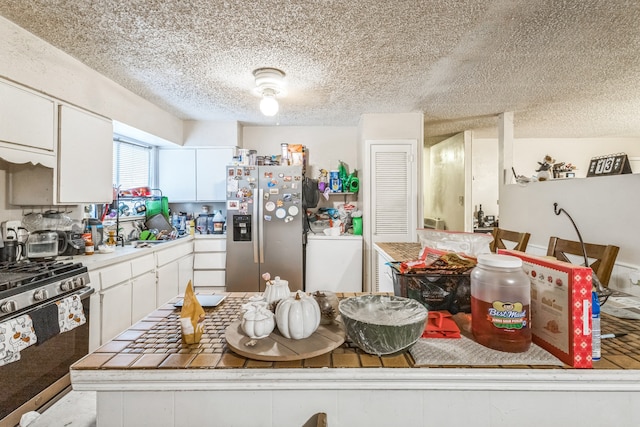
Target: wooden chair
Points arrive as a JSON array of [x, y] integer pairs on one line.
[[604, 255], [501, 235]]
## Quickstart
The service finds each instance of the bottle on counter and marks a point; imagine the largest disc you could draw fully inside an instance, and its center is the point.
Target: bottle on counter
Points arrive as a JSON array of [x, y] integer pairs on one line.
[[480, 217], [595, 327], [500, 303], [89, 248]]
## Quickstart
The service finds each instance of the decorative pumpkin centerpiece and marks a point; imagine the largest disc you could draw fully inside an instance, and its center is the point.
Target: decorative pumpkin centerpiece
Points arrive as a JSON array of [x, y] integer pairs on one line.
[[275, 290], [257, 321], [298, 316], [328, 303]]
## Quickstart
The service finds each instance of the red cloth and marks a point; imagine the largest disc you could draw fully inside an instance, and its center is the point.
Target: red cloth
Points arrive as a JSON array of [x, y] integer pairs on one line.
[[440, 324]]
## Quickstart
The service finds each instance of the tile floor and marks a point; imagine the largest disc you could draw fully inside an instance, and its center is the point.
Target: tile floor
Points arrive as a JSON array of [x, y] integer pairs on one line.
[[75, 409]]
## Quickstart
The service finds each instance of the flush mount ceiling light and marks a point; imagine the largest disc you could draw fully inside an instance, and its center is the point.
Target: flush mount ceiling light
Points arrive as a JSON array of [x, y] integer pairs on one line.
[[269, 85]]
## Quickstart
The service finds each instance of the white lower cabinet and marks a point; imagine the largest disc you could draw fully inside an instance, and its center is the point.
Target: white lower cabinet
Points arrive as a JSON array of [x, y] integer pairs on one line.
[[143, 296], [175, 269], [116, 310], [385, 275], [127, 291], [209, 259], [185, 272], [168, 280]]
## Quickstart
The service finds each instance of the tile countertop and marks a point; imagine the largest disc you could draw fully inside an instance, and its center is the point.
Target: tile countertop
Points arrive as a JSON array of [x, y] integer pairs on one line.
[[403, 251], [155, 343]]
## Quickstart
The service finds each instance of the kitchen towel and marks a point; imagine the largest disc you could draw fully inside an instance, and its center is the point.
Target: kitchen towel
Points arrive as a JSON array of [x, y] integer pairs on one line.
[[70, 314], [466, 352], [45, 322], [440, 324], [15, 335]]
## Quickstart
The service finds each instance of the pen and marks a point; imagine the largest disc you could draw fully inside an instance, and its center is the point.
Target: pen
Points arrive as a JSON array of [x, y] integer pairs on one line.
[[604, 336]]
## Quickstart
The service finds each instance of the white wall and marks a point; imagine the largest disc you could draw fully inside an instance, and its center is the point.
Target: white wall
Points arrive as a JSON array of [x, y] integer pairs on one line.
[[30, 61], [327, 144], [212, 133], [605, 209]]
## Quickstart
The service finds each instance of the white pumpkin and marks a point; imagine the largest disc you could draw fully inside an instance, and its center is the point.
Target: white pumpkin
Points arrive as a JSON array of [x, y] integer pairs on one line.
[[258, 322], [298, 316], [276, 290]]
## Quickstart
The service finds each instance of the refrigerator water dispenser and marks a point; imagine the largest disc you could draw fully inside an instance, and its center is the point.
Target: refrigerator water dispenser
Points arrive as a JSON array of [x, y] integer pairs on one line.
[[242, 228]]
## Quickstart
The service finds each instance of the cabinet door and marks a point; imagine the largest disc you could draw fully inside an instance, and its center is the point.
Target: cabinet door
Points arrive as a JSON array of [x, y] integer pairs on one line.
[[143, 296], [211, 173], [85, 157], [116, 310], [26, 118], [167, 283], [177, 174], [385, 275], [185, 273]]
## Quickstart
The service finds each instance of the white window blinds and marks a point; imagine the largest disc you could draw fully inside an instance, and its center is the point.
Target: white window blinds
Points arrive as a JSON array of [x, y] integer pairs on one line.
[[131, 164]]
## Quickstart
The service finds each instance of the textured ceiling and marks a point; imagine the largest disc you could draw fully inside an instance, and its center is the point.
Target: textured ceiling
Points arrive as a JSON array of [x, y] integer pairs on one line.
[[565, 68]]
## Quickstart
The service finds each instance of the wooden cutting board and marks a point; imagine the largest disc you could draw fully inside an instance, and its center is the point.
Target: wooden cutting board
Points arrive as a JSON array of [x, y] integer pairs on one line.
[[276, 348]]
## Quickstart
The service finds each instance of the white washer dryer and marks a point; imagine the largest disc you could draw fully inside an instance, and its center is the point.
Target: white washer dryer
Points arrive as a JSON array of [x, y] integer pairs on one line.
[[334, 263]]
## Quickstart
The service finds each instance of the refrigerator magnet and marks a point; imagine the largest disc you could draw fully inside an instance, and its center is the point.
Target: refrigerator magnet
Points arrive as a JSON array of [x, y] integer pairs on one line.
[[281, 213], [287, 197], [288, 219], [287, 179], [293, 211], [274, 191], [279, 203], [232, 205], [267, 217], [270, 206]]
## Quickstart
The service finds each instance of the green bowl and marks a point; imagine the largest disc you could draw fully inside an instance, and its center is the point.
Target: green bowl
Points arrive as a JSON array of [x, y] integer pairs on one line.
[[383, 325]]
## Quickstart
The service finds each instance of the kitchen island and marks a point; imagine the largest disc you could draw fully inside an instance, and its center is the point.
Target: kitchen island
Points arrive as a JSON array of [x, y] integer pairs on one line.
[[147, 377]]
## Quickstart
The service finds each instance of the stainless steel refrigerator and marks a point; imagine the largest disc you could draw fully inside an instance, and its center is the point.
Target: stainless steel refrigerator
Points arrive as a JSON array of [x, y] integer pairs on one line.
[[264, 226]]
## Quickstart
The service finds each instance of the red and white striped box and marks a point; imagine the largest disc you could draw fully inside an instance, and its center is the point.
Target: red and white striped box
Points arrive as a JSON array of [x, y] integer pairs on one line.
[[560, 307]]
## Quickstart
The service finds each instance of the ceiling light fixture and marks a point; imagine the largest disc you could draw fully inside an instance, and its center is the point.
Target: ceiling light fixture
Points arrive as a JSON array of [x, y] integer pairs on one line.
[[269, 85]]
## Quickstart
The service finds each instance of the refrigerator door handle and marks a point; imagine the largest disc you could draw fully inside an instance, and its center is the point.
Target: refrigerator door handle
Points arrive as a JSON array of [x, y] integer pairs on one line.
[[254, 226], [261, 225]]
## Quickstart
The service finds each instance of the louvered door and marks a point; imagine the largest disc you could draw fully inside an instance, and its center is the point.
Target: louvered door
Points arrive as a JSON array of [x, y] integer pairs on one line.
[[393, 196]]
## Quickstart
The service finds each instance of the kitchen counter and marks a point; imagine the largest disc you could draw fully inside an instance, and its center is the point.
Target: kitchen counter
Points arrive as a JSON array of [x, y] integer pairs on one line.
[[146, 376], [122, 253]]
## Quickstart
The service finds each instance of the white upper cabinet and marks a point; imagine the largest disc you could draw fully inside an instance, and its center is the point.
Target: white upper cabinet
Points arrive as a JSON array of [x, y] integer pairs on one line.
[[211, 173], [26, 119], [85, 157], [177, 174], [194, 174]]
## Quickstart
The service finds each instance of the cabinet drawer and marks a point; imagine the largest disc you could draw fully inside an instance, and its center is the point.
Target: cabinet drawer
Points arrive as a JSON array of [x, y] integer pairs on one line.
[[142, 265], [166, 256], [115, 274], [210, 245], [209, 278], [209, 260]]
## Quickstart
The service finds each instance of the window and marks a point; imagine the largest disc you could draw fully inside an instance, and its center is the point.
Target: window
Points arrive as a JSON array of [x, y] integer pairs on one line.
[[132, 164]]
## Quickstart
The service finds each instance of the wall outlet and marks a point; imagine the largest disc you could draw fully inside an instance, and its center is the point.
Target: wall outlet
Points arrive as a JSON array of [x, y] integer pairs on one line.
[[7, 228]]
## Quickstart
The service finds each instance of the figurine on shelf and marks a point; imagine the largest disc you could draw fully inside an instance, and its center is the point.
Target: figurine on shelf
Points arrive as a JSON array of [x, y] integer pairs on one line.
[[545, 167]]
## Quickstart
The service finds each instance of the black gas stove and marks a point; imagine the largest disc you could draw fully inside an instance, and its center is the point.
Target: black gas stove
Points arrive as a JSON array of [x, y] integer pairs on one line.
[[26, 284]]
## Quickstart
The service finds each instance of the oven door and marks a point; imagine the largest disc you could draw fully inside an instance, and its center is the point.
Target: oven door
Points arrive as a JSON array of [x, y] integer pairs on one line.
[[43, 369]]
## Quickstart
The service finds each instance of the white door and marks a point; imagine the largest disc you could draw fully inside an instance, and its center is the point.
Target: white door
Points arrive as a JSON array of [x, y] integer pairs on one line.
[[390, 197]]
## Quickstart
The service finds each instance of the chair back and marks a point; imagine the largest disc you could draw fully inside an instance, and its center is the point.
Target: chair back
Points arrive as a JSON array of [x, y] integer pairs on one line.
[[501, 235], [604, 256]]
